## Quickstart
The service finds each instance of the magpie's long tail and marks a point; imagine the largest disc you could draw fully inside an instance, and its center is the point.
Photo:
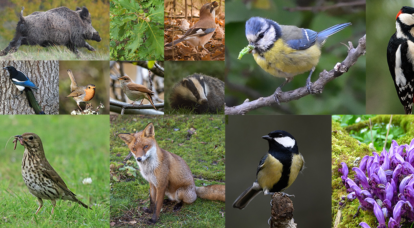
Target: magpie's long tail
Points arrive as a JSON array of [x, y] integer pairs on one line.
[[32, 101]]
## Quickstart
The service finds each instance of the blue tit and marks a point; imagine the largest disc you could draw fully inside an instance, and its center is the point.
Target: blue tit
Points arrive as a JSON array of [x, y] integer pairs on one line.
[[286, 51]]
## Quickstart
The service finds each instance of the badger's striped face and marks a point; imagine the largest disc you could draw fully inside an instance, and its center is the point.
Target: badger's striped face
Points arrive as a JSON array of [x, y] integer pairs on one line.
[[195, 89]]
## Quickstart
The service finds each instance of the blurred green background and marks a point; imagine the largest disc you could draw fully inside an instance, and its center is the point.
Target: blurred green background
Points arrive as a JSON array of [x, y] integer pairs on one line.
[[85, 72], [345, 94], [77, 147], [381, 94], [175, 71], [99, 10]]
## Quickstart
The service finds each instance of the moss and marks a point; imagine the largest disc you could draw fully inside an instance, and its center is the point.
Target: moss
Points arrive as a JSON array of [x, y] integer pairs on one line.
[[349, 150]]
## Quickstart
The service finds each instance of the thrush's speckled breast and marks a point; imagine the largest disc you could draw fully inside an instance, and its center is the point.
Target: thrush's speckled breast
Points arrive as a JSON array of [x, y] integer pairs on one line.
[[41, 179]]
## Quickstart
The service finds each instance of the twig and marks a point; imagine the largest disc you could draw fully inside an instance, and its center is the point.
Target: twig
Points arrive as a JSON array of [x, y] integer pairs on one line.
[[324, 8], [113, 102], [316, 87], [157, 69]]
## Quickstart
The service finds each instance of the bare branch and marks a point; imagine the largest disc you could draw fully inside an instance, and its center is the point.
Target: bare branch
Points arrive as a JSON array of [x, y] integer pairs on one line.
[[316, 87]]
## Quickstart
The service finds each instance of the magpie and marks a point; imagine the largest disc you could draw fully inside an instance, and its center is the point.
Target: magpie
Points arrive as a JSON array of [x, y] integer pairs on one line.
[[20, 80], [23, 83]]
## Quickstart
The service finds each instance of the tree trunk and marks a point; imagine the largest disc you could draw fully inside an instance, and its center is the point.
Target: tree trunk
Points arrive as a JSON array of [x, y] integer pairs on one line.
[[44, 74]]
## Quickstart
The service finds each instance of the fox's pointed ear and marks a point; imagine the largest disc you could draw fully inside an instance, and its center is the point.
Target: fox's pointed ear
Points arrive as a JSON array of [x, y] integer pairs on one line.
[[149, 130], [126, 137]]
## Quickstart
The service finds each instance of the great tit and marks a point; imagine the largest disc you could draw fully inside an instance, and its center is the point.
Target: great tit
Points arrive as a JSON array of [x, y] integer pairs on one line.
[[20, 80], [277, 170], [284, 50], [400, 57]]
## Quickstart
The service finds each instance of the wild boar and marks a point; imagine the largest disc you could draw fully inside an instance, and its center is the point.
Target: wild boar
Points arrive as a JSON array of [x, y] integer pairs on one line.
[[59, 26]]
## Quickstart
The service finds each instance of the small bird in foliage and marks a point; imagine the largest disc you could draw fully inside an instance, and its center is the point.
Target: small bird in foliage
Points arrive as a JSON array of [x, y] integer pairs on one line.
[[80, 93], [39, 176], [23, 83], [136, 91], [203, 30]]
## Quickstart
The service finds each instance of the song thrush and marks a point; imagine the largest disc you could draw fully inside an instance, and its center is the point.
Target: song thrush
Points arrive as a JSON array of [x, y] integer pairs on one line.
[[40, 177]]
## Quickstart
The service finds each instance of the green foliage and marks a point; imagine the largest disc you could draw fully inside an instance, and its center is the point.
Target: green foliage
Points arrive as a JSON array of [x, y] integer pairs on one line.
[[137, 30], [73, 154], [203, 153], [379, 130], [10, 16]]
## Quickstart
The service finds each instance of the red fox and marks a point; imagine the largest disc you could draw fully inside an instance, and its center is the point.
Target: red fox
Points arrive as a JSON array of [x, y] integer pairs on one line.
[[167, 173]]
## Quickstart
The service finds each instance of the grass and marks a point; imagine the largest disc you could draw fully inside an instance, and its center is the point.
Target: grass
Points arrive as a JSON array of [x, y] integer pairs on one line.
[[203, 152], [54, 53], [73, 154]]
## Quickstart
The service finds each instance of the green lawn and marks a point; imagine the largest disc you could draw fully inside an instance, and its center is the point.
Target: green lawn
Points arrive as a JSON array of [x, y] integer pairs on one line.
[[203, 152], [53, 53], [77, 148]]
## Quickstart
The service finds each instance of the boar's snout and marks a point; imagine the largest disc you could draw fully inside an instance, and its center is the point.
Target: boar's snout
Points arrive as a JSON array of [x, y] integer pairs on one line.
[[96, 37]]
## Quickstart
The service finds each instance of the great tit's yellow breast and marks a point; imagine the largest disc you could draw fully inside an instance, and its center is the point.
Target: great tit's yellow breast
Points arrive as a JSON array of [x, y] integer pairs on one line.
[[283, 61], [295, 168], [270, 173]]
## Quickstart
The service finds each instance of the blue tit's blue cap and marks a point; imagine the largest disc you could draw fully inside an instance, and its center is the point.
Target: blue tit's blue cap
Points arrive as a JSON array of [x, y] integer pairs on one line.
[[254, 25]]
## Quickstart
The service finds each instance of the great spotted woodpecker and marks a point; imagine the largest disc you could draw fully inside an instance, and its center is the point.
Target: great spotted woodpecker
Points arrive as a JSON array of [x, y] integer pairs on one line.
[[400, 57]]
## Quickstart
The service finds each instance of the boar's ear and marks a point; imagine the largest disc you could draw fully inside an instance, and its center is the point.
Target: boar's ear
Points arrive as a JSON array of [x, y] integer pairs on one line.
[[149, 130], [77, 8], [126, 137], [84, 13]]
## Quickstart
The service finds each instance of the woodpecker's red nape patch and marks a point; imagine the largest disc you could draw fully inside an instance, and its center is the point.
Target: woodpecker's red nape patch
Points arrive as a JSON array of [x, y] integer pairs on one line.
[[398, 14]]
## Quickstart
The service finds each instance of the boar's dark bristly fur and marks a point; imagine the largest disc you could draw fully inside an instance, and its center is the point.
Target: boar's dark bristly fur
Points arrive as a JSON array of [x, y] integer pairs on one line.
[[60, 26]]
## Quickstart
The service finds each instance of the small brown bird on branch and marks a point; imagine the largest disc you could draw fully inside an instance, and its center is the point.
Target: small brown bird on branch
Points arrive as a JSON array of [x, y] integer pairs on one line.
[[80, 93], [136, 91], [39, 176]]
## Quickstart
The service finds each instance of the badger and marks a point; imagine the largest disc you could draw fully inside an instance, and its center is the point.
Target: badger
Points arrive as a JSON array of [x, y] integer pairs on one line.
[[201, 93]]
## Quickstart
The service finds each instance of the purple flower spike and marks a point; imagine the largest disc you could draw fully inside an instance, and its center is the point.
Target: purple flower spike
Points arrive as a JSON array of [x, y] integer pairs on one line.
[[351, 196], [393, 224], [363, 164], [382, 176], [387, 204], [386, 164], [366, 193], [360, 175], [396, 214], [389, 192], [380, 216], [364, 225], [398, 159], [344, 171], [408, 168], [396, 174], [371, 201], [404, 183]]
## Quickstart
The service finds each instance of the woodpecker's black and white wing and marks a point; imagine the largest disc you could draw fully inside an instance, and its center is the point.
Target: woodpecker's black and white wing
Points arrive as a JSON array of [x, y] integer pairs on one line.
[[400, 57]]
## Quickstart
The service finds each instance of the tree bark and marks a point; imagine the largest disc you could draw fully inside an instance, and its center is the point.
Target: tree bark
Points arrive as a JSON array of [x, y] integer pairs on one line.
[[44, 74]]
